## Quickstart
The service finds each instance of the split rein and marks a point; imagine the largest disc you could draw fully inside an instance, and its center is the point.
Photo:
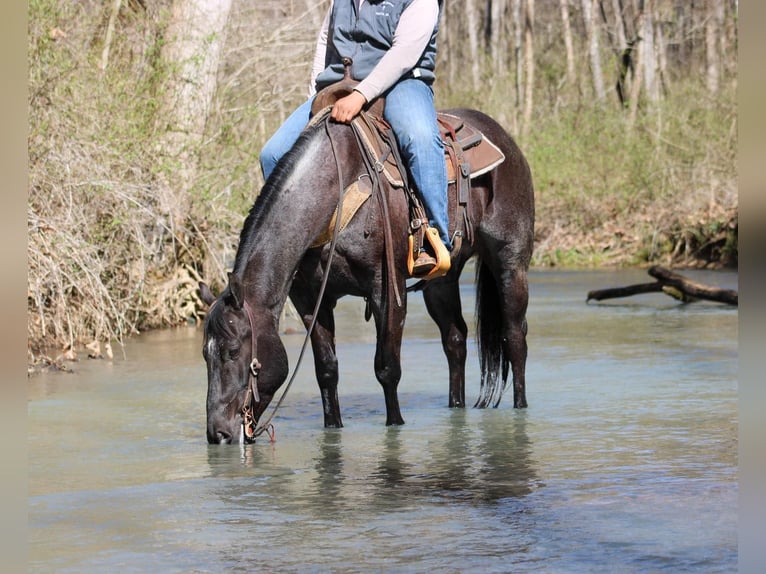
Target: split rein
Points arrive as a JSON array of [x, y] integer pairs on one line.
[[251, 430]]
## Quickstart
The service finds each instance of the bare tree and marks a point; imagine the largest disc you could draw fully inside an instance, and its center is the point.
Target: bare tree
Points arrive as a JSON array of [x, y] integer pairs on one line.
[[649, 52], [472, 24], [518, 30], [714, 32], [567, 32], [191, 53], [529, 64], [619, 24], [594, 54], [638, 65], [109, 33], [447, 60], [496, 39]]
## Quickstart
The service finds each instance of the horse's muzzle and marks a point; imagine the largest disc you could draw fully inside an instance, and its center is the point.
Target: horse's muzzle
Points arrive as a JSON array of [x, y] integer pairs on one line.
[[224, 433]]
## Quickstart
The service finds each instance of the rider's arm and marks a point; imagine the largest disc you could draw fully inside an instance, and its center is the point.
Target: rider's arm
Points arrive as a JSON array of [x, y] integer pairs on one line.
[[411, 37]]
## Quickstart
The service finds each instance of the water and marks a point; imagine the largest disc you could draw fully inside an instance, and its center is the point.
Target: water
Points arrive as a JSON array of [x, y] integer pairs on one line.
[[626, 460]]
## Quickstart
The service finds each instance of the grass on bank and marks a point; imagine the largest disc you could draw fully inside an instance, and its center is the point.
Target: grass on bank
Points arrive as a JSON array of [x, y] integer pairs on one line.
[[610, 192]]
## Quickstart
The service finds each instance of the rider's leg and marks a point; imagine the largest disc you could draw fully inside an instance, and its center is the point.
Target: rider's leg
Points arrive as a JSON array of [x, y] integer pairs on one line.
[[410, 112]]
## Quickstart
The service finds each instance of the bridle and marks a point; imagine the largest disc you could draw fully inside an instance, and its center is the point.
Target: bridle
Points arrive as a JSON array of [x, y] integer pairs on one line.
[[251, 430]]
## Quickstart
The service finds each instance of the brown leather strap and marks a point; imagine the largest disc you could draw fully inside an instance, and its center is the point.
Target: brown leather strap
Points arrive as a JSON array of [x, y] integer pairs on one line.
[[362, 121]]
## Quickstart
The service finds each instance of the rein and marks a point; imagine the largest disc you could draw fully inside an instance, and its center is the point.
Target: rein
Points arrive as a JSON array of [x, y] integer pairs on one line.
[[249, 429]]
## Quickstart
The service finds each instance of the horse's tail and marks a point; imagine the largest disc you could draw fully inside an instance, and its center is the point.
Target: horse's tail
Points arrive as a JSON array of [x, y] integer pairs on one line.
[[489, 334]]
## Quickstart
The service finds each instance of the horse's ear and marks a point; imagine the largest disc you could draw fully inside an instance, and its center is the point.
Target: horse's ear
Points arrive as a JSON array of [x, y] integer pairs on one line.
[[206, 294], [236, 296]]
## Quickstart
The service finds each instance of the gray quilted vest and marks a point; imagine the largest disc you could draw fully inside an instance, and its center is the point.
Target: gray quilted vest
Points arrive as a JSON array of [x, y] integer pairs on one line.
[[364, 36]]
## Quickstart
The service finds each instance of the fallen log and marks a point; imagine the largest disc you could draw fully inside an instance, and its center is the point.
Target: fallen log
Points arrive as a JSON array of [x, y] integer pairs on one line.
[[672, 284]]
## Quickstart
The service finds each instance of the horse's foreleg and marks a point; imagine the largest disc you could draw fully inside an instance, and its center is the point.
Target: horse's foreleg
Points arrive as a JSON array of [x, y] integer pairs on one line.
[[326, 368], [516, 296], [323, 348], [388, 361], [442, 299]]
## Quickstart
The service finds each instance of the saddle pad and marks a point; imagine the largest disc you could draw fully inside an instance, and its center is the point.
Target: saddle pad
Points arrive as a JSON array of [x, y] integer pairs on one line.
[[353, 199]]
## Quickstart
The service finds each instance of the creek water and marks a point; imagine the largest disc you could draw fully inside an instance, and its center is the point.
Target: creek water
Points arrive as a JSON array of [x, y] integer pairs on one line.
[[625, 460]]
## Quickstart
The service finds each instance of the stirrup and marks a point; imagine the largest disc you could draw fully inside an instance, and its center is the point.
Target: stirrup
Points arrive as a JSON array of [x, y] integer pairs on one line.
[[440, 252]]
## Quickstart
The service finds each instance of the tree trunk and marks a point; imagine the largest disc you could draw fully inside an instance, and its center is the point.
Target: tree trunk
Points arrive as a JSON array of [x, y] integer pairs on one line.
[[447, 56], [714, 14], [529, 64], [649, 53], [497, 39], [692, 288], [109, 33], [593, 49], [638, 66], [194, 39], [472, 24], [518, 32], [569, 46], [662, 61], [619, 25]]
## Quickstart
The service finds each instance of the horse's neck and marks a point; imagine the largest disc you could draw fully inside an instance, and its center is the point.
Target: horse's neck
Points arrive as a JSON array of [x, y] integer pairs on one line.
[[282, 226]]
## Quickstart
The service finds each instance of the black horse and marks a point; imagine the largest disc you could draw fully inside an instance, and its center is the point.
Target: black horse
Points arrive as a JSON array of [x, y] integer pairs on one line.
[[246, 360]]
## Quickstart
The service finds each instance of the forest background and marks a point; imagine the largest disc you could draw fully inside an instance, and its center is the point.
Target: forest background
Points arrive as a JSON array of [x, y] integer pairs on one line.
[[146, 118]]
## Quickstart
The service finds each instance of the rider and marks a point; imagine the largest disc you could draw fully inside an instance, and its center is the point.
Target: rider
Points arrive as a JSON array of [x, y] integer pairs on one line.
[[393, 49]]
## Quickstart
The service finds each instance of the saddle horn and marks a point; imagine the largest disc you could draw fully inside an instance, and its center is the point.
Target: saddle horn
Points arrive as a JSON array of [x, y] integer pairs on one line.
[[332, 93]]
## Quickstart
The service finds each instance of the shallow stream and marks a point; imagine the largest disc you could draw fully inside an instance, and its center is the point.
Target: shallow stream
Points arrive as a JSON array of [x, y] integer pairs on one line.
[[625, 460]]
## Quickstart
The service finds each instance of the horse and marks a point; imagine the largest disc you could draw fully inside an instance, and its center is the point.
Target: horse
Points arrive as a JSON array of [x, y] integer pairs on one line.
[[276, 258]]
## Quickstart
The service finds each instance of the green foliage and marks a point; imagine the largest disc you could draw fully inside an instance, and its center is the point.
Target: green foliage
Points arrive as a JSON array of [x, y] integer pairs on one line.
[[612, 192]]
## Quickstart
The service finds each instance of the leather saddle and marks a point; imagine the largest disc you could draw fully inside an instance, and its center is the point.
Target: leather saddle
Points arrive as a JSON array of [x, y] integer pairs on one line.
[[468, 154]]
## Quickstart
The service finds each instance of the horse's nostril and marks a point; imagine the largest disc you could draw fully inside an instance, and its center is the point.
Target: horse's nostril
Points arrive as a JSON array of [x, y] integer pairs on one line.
[[223, 437]]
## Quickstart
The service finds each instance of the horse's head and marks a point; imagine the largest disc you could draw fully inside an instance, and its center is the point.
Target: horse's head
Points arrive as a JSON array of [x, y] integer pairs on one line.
[[238, 388]]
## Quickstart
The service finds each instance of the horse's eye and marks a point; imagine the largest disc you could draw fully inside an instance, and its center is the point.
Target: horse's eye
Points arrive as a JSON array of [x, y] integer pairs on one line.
[[234, 354]]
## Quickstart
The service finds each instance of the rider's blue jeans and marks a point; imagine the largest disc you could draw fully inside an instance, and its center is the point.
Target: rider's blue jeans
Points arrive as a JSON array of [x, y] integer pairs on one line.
[[410, 112]]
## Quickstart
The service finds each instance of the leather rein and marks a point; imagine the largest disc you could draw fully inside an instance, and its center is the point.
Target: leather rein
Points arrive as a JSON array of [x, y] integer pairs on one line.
[[251, 430]]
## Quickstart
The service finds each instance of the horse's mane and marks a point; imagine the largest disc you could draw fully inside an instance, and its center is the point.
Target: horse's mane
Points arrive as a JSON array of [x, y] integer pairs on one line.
[[271, 189], [217, 321]]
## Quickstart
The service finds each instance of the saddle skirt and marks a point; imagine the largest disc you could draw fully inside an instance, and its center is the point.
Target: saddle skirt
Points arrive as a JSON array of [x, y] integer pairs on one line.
[[479, 153]]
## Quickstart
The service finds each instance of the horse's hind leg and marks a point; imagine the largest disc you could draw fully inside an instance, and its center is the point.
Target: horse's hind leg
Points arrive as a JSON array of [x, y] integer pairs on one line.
[[515, 293], [442, 299], [323, 348]]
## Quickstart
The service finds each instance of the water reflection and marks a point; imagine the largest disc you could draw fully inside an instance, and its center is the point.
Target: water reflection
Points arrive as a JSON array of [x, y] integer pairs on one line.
[[457, 461], [327, 486], [625, 461], [484, 465], [392, 471], [466, 457]]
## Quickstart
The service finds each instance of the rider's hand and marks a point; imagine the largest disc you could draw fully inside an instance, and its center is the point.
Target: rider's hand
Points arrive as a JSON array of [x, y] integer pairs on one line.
[[347, 108]]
